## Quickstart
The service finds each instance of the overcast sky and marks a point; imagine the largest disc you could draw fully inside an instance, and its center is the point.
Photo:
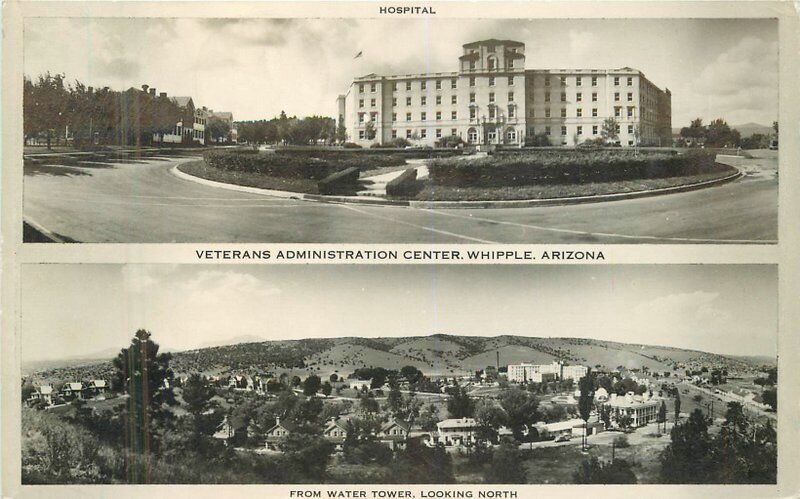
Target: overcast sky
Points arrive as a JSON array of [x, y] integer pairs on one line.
[[73, 310], [257, 67]]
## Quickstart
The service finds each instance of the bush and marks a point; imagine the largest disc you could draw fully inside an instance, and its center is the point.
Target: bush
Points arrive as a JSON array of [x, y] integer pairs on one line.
[[567, 167], [403, 185], [343, 182], [621, 442], [351, 145]]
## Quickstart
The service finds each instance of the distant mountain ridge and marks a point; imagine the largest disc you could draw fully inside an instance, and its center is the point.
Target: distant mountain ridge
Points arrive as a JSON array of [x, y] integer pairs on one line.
[[437, 354]]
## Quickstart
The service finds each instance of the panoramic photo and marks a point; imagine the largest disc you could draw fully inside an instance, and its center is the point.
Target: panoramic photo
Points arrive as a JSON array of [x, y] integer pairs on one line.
[[319, 131], [399, 374]]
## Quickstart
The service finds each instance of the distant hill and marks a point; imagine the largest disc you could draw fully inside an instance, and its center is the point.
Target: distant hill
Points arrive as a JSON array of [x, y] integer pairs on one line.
[[438, 354]]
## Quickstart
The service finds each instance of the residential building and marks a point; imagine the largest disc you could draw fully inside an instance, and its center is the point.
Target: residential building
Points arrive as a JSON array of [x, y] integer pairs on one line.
[[44, 393], [394, 433], [493, 99], [276, 435], [642, 409], [96, 387], [451, 432], [191, 127], [227, 118], [72, 390], [335, 431]]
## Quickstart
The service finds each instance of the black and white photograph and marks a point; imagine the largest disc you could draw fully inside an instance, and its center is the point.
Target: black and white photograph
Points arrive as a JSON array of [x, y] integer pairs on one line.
[[400, 130], [263, 374]]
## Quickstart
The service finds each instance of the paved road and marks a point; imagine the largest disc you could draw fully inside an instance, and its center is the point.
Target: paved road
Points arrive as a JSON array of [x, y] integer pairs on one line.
[[144, 202]]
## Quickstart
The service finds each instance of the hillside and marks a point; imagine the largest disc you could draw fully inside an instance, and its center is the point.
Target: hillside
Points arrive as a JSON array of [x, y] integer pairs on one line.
[[434, 355]]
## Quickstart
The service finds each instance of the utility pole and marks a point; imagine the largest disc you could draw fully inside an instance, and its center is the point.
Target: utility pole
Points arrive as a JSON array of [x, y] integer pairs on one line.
[[613, 448]]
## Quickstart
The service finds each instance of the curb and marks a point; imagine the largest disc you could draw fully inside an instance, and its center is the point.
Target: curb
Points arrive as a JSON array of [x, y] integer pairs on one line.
[[520, 203], [44, 232]]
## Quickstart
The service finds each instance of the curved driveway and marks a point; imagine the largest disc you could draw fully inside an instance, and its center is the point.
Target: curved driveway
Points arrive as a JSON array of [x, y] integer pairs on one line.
[[144, 203]]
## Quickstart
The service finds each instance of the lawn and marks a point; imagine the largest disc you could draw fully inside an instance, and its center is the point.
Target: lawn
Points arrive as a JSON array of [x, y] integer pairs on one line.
[[250, 179]]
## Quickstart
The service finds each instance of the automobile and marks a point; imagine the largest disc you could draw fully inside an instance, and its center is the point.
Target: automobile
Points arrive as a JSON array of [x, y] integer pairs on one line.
[[562, 438]]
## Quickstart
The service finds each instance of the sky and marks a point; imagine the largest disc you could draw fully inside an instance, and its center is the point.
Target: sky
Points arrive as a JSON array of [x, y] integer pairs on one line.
[[715, 68], [79, 310]]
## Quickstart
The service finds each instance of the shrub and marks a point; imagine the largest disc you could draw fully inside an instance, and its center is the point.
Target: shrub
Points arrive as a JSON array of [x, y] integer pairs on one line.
[[351, 145], [621, 442], [567, 167], [403, 185], [343, 182]]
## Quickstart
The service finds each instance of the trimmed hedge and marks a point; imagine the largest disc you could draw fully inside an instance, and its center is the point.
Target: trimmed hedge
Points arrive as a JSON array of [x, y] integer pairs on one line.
[[567, 167], [342, 182], [403, 185], [315, 165]]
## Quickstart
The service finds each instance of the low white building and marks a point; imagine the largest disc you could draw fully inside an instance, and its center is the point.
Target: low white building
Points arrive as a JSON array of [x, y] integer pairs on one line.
[[642, 409], [452, 432]]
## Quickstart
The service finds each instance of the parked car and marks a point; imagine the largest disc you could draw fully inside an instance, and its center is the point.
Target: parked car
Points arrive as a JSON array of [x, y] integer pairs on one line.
[[562, 438]]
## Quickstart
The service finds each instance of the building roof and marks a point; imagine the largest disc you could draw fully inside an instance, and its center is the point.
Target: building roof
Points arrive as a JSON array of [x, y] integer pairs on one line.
[[493, 41], [564, 425], [224, 115], [631, 401], [458, 423], [45, 389], [98, 383], [388, 425], [182, 100], [74, 386]]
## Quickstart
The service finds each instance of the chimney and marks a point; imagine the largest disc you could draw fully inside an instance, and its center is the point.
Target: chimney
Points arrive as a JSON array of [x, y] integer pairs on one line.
[[144, 88], [162, 94], [153, 92], [90, 90], [498, 360], [277, 420]]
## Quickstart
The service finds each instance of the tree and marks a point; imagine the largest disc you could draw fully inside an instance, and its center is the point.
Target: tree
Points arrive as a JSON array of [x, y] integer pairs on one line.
[[460, 404], [395, 399], [687, 458], [720, 134], [311, 385], [217, 129], [507, 466], [327, 389], [197, 395], [609, 131], [594, 471], [677, 405], [521, 408], [744, 452], [308, 455], [418, 463], [411, 374], [369, 130], [489, 418], [770, 397], [662, 414], [144, 375], [341, 132], [585, 403], [334, 378]]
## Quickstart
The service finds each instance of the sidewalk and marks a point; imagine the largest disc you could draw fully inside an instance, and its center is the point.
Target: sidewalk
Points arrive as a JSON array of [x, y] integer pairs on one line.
[[376, 185]]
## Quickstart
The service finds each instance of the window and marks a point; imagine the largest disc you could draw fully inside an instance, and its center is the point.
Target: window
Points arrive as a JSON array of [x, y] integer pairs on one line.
[[373, 117], [630, 112], [630, 81], [563, 112], [372, 102], [594, 81], [578, 81], [472, 135], [423, 84], [491, 96], [361, 134], [630, 96], [408, 85], [394, 116], [546, 81], [511, 135], [547, 112], [423, 133], [594, 129], [510, 80], [511, 63], [394, 101], [617, 128], [472, 113], [563, 130], [547, 130], [547, 97], [630, 129], [616, 96], [533, 113], [438, 99], [594, 96], [578, 97], [394, 87], [453, 99], [454, 131], [491, 81], [492, 111], [563, 97], [616, 81], [438, 115], [423, 116], [438, 84], [361, 88], [563, 81], [408, 116], [373, 87], [438, 133], [511, 111], [580, 130], [471, 81], [511, 97], [423, 100], [492, 135], [408, 101], [472, 97], [594, 112], [361, 117], [453, 115], [617, 111], [360, 102], [471, 64], [454, 83], [394, 134], [579, 113], [408, 134], [491, 62]]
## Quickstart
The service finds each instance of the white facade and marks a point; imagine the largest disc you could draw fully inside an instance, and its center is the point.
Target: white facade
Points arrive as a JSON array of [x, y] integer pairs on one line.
[[537, 373]]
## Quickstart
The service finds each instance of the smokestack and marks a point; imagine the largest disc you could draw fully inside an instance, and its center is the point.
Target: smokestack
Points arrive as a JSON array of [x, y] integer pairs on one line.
[[498, 360], [90, 90], [162, 94], [153, 92], [145, 87]]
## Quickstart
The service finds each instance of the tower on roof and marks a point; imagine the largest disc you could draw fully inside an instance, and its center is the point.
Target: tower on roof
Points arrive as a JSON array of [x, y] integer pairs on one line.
[[493, 55]]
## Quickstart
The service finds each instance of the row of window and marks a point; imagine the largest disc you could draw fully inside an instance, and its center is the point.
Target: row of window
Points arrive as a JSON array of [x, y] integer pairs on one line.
[[631, 112], [579, 97], [438, 99], [579, 130], [579, 81], [423, 133], [423, 116], [511, 134], [423, 84]]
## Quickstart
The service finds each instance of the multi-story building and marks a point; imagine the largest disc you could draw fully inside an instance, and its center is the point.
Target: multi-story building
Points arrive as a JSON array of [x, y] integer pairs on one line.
[[493, 99], [641, 409], [538, 373]]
